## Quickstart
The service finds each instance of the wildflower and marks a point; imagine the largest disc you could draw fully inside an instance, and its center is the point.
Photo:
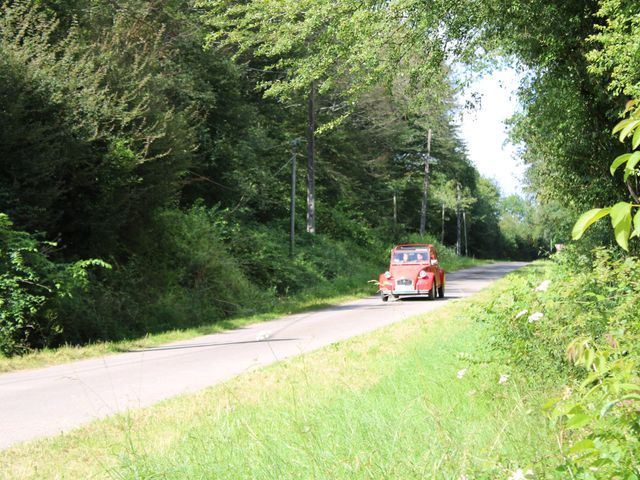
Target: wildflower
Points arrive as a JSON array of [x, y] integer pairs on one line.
[[521, 313], [544, 286], [534, 317], [519, 474], [503, 379], [264, 335], [462, 372], [566, 392]]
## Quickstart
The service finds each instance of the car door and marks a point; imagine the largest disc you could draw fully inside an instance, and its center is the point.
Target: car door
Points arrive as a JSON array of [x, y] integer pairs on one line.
[[433, 267]]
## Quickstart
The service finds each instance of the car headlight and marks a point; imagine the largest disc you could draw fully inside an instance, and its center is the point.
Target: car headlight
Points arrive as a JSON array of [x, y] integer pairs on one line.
[[387, 274], [422, 274]]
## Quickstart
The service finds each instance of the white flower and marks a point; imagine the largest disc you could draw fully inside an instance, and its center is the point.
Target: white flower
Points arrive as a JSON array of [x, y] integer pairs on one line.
[[521, 475], [503, 379], [521, 313], [462, 372], [534, 317], [544, 286], [264, 335]]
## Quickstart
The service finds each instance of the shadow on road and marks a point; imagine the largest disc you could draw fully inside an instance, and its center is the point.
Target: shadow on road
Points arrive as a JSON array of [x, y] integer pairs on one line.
[[204, 345]]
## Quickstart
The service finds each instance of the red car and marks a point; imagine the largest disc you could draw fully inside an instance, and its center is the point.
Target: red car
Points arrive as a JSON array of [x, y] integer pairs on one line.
[[413, 271]]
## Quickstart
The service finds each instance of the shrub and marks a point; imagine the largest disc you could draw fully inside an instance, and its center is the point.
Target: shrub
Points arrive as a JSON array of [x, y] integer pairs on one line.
[[587, 339], [30, 284], [181, 276]]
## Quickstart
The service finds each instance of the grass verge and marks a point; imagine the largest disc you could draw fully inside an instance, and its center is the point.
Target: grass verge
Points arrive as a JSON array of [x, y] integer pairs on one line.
[[340, 290], [388, 404]]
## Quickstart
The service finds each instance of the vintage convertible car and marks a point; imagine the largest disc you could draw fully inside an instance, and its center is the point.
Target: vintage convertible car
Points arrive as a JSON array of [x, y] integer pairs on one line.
[[414, 270]]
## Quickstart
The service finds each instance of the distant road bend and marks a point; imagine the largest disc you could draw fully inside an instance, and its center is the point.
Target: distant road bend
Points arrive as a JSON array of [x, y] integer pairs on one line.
[[47, 401]]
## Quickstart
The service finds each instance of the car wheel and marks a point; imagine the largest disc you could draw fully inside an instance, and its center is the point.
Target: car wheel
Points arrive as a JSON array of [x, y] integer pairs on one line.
[[441, 291], [385, 297], [433, 293]]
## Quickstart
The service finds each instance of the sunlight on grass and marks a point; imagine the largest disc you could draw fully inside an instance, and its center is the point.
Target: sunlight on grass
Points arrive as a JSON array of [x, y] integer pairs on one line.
[[389, 404], [339, 291]]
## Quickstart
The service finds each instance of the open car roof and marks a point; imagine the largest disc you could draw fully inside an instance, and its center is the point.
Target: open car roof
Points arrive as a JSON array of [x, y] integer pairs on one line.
[[412, 246]]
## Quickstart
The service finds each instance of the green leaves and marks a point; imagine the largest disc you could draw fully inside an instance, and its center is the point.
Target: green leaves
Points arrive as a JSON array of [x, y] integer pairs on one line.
[[636, 223], [578, 420], [621, 213], [586, 220], [621, 222], [29, 283], [619, 161], [630, 159], [625, 127]]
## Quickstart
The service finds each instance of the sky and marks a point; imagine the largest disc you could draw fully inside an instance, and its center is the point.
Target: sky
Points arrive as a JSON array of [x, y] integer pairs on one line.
[[484, 131]]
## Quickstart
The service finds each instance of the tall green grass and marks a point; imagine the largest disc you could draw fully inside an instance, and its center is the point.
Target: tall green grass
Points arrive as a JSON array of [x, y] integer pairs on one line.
[[388, 404]]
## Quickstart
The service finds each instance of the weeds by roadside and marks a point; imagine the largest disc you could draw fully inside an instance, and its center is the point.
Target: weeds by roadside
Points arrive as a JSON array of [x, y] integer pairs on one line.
[[390, 404]]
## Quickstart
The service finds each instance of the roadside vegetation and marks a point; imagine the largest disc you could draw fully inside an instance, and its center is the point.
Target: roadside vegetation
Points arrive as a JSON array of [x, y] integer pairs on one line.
[[353, 278], [145, 173], [144, 188], [426, 398]]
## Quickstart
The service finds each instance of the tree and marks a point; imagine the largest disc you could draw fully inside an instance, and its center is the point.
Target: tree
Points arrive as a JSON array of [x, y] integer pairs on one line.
[[328, 47]]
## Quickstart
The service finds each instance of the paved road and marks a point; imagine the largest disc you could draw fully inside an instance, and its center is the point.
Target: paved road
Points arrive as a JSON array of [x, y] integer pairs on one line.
[[51, 400]]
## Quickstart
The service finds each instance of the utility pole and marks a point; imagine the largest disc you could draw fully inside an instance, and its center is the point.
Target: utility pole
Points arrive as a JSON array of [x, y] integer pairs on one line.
[[395, 213], [442, 231], [464, 221], [458, 221], [292, 230], [425, 187], [311, 180]]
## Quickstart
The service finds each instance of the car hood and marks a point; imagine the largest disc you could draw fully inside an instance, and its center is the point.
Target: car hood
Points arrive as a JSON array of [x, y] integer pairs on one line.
[[406, 271]]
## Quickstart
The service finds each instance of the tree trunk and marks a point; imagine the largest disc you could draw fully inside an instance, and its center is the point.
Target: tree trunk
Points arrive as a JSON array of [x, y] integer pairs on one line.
[[292, 226], [425, 187], [311, 180]]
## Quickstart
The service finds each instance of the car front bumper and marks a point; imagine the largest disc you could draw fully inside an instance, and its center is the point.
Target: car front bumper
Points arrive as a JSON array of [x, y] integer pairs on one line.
[[410, 292]]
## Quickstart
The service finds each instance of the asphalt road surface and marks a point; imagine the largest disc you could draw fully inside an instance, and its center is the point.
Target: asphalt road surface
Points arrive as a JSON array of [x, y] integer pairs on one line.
[[47, 401]]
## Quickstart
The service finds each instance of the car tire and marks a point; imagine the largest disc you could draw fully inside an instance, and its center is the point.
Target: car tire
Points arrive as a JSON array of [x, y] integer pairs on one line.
[[433, 293], [385, 297], [441, 291]]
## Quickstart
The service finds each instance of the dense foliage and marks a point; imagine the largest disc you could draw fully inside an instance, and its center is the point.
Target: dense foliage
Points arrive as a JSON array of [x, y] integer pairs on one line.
[[123, 139], [576, 321], [573, 321]]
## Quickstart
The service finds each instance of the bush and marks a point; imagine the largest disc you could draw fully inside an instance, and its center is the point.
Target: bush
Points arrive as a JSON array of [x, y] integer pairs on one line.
[[30, 285], [581, 329], [181, 276]]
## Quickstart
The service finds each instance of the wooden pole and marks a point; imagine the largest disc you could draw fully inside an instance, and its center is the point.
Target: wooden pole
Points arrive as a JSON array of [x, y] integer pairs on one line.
[[442, 230], [464, 221], [425, 187], [395, 212], [311, 180]]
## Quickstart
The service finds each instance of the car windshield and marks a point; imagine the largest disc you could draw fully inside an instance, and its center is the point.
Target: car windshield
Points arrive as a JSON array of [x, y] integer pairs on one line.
[[410, 256]]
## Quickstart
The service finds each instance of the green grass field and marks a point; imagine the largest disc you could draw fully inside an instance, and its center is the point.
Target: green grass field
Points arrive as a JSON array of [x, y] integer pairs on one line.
[[384, 405]]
